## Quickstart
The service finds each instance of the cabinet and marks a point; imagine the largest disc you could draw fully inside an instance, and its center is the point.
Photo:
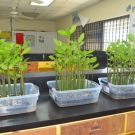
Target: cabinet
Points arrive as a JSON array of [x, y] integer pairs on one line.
[[37, 131], [119, 124], [45, 42], [45, 66], [130, 122], [112, 125], [32, 67], [40, 42], [6, 36], [31, 37], [50, 46]]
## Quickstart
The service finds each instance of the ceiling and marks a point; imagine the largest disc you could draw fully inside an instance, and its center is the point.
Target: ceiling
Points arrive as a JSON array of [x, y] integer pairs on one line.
[[56, 10]]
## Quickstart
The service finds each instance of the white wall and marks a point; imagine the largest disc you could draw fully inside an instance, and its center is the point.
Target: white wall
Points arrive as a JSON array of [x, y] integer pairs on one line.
[[27, 25], [103, 10]]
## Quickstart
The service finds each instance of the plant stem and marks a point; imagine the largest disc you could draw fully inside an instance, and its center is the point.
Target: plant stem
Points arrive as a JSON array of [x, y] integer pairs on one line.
[[22, 83], [9, 85], [4, 86], [1, 92], [15, 81]]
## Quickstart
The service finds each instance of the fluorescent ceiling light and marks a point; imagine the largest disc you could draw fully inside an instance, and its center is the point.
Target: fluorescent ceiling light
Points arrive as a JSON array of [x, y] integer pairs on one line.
[[45, 3]]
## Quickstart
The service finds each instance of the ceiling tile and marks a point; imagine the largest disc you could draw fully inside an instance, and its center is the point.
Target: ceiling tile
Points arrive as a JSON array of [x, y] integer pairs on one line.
[[41, 15], [41, 11], [68, 5], [8, 5], [77, 1], [87, 4], [55, 4], [5, 8], [63, 9], [46, 8], [60, 0], [24, 2], [27, 6], [56, 10], [25, 10], [5, 1]]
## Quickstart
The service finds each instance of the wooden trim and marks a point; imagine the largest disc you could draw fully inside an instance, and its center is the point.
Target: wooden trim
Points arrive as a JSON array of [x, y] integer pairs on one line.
[[58, 130]]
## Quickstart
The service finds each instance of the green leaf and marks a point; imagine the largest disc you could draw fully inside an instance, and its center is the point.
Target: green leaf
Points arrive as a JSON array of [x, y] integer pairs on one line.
[[82, 43], [68, 32], [26, 50], [26, 43], [23, 67], [92, 60], [56, 41], [18, 75], [83, 59], [51, 57], [4, 67], [72, 29], [96, 65], [62, 32], [2, 40], [1, 50], [59, 55], [80, 39], [131, 37], [6, 53], [7, 60], [25, 60], [73, 42], [60, 49], [11, 65], [90, 51], [1, 71], [118, 41], [67, 60]]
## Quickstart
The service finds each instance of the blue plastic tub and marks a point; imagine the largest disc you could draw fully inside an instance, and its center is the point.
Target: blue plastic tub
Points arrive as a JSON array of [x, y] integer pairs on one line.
[[117, 91], [74, 97], [20, 104]]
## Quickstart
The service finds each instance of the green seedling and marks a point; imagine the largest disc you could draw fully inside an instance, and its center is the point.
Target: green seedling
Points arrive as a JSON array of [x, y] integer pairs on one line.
[[12, 65], [71, 63], [121, 61]]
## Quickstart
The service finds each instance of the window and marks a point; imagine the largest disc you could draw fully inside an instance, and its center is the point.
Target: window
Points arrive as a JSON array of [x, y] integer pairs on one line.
[[113, 29], [77, 33], [100, 34], [93, 36]]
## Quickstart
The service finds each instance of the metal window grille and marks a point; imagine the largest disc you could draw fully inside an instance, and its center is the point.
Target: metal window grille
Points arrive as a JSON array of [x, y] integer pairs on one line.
[[77, 33], [114, 29], [93, 36], [100, 34]]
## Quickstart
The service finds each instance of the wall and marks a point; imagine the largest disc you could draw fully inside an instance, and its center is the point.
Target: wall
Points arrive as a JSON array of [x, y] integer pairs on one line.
[[103, 10], [27, 25]]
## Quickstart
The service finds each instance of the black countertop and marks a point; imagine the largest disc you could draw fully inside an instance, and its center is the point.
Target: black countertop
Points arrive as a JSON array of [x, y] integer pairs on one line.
[[39, 60], [48, 113]]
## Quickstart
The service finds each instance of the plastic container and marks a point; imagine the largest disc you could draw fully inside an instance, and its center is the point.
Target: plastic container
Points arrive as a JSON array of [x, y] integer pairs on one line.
[[117, 91], [20, 104], [74, 97]]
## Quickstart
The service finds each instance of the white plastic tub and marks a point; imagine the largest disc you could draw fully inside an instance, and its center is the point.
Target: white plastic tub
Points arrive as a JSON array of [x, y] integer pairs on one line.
[[74, 97], [20, 104], [117, 91]]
